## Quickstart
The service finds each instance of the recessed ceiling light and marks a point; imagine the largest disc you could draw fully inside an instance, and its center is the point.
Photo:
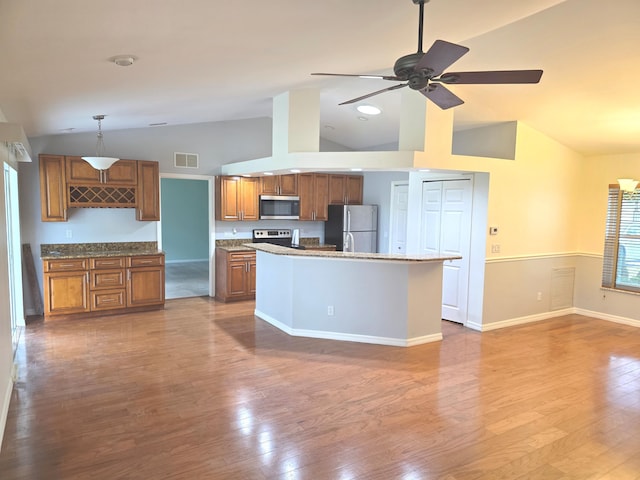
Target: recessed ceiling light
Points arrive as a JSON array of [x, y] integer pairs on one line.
[[268, 173], [425, 170], [368, 109], [356, 169], [246, 175], [295, 170]]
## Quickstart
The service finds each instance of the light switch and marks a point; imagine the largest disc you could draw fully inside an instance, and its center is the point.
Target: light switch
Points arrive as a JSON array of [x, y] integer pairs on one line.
[[493, 230]]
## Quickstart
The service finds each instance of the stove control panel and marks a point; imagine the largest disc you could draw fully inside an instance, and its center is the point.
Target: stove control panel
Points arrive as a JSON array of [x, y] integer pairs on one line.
[[267, 234]]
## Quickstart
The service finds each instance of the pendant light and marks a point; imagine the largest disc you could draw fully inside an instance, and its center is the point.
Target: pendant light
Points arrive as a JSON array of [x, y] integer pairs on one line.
[[100, 162]]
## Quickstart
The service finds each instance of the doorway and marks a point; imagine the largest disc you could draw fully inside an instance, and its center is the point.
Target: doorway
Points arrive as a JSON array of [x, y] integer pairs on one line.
[[185, 234], [14, 253]]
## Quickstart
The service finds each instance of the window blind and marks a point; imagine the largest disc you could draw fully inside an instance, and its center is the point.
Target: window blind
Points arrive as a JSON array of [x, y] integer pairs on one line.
[[621, 265]]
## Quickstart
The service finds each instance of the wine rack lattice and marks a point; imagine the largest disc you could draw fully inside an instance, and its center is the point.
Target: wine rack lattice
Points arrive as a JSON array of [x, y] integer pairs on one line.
[[98, 196]]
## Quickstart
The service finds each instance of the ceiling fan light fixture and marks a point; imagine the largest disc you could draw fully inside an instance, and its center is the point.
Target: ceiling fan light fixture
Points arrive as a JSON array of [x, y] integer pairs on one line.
[[369, 109], [100, 161]]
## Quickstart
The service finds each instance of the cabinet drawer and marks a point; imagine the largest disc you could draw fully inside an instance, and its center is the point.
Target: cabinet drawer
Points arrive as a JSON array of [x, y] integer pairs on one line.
[[241, 256], [101, 279], [107, 262], [65, 265], [108, 299], [145, 261]]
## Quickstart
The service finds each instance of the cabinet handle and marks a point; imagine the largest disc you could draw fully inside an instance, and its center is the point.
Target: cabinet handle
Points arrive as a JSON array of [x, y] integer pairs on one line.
[[108, 300], [142, 262], [65, 265]]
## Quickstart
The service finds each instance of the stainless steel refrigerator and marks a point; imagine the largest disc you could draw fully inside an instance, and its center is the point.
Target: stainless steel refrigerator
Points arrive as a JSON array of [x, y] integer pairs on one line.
[[352, 228]]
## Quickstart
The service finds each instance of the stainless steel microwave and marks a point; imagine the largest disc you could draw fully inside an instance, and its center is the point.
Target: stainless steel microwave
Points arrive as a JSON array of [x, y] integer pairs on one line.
[[279, 207]]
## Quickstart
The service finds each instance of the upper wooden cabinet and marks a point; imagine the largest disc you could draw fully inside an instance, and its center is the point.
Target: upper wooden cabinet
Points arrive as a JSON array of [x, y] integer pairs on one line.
[[279, 185], [345, 189], [237, 198], [123, 172], [53, 188], [313, 189], [148, 194], [71, 182]]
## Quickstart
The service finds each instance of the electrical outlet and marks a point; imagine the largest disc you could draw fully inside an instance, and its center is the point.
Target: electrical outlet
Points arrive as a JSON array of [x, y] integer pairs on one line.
[[495, 248], [539, 296], [330, 310], [68, 233]]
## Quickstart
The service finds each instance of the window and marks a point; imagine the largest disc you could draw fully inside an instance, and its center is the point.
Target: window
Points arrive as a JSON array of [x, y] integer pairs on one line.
[[621, 266]]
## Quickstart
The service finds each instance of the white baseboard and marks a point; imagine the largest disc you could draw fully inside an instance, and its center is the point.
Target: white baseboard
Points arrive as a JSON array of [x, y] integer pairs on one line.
[[610, 318], [4, 408], [521, 320], [348, 337]]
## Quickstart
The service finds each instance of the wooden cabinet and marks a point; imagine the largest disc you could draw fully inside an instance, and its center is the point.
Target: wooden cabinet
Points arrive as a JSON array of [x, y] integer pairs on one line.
[[148, 194], [279, 185], [123, 172], [67, 182], [235, 275], [237, 198], [313, 189], [107, 283], [145, 280], [53, 188], [103, 284], [66, 286], [345, 189]]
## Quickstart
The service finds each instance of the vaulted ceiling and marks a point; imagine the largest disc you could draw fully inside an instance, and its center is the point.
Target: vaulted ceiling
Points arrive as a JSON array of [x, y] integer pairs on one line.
[[214, 60]]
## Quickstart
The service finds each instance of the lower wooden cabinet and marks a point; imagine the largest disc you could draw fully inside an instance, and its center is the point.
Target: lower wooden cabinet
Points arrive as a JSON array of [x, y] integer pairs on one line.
[[145, 280], [103, 284], [235, 275]]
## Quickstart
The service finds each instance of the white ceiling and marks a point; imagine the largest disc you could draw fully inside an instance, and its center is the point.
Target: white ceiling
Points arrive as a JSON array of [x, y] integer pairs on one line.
[[211, 60]]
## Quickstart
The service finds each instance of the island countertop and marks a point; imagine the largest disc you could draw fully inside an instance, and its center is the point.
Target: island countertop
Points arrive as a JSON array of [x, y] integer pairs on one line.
[[393, 257]]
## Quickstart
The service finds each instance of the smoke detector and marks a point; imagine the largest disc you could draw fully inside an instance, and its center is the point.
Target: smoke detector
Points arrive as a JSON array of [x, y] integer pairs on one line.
[[123, 60]]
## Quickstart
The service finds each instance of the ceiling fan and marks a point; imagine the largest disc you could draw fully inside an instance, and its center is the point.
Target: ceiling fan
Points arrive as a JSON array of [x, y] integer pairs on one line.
[[424, 72]]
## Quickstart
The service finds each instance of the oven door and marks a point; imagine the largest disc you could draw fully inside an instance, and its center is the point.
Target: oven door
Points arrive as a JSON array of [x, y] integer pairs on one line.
[[278, 207]]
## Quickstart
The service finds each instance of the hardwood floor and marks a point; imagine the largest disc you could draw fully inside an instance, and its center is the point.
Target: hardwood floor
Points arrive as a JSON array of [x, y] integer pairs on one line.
[[203, 390]]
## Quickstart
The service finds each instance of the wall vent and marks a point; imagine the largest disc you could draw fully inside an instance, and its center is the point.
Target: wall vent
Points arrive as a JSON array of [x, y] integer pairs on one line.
[[562, 287], [185, 160]]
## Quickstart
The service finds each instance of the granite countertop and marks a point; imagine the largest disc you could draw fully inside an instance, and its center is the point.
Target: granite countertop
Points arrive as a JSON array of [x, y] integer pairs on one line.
[[92, 250], [240, 244], [278, 250]]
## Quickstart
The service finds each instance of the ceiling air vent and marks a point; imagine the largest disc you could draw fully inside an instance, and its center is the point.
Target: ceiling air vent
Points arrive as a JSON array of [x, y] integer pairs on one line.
[[185, 160]]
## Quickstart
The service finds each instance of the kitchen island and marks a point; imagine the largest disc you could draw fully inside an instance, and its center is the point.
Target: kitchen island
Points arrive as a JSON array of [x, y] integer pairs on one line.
[[386, 299]]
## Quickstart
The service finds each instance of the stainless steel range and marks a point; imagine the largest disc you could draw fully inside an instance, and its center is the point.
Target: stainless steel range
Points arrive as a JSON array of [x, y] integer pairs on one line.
[[277, 237]]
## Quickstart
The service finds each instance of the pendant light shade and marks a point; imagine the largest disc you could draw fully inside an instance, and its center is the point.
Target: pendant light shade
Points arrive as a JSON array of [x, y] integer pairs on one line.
[[100, 162]]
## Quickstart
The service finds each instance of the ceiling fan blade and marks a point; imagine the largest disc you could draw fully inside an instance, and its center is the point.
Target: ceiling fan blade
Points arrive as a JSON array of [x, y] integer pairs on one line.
[[441, 55], [380, 77], [354, 100], [441, 96], [498, 76]]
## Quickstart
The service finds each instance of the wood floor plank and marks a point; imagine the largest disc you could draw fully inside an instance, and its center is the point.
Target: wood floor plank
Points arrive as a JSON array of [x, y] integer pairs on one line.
[[203, 389]]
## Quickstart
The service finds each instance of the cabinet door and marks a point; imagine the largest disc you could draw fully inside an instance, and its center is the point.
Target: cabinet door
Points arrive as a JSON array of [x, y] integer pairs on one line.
[[337, 186], [228, 198], [123, 172], [53, 188], [321, 196], [66, 293], [79, 172], [236, 279], [251, 277], [148, 191], [306, 193], [145, 286], [353, 187], [250, 194], [288, 184], [269, 185]]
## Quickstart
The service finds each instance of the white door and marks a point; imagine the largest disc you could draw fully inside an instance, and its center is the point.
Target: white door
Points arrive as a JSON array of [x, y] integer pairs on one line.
[[446, 230], [14, 252], [399, 209]]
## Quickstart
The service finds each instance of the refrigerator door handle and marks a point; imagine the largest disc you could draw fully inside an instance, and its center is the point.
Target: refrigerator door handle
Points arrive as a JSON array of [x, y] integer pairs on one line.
[[348, 220], [352, 242]]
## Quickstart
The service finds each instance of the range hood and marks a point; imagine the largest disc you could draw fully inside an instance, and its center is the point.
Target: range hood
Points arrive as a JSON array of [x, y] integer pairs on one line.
[[12, 134]]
